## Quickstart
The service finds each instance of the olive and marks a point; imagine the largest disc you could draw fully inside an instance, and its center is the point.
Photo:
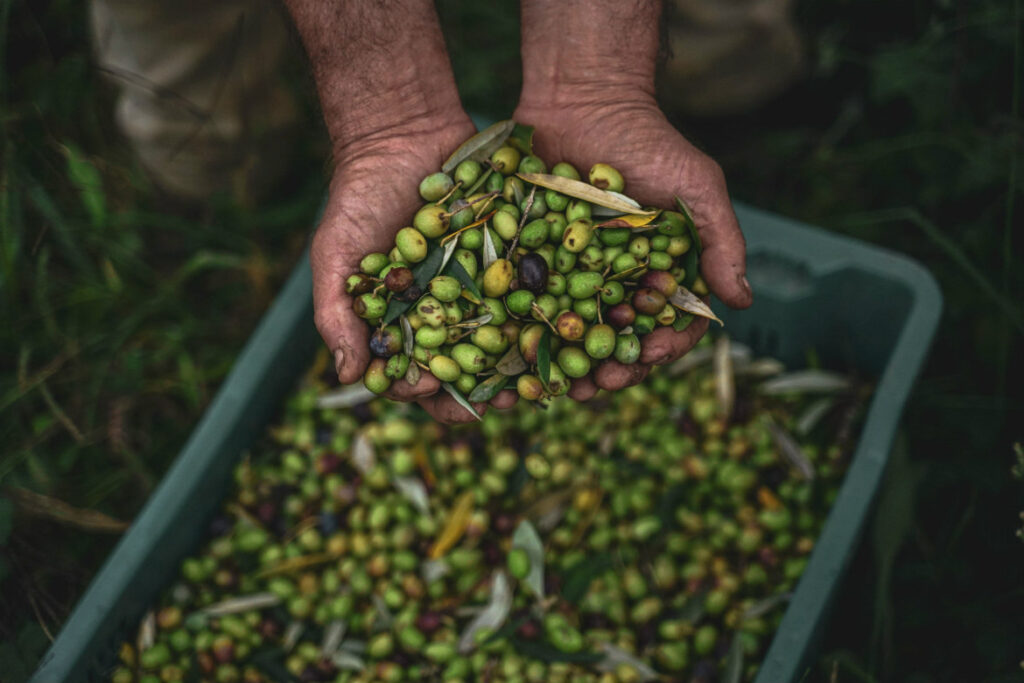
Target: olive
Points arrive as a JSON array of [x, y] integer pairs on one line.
[[529, 340], [431, 220], [660, 281], [570, 325], [386, 342], [620, 315], [606, 178], [398, 279], [372, 263], [648, 301], [533, 272], [566, 170], [435, 186], [375, 378], [358, 283], [600, 341], [497, 278]]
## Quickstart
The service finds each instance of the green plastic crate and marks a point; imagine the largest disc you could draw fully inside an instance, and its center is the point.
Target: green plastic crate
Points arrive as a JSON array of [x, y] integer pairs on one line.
[[860, 307]]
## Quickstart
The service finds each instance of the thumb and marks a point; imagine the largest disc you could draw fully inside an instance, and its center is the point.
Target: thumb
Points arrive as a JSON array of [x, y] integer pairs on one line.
[[345, 333]]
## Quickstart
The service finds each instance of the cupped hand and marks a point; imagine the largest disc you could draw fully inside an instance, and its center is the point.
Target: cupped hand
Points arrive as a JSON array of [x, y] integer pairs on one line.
[[629, 131], [373, 194]]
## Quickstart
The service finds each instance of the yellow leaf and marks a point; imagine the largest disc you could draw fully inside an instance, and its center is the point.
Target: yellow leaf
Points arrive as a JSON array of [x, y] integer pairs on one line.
[[456, 525], [580, 190], [630, 221], [768, 499]]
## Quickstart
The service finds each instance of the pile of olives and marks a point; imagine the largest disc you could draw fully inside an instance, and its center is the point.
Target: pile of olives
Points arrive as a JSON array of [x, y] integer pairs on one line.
[[649, 534], [501, 278]]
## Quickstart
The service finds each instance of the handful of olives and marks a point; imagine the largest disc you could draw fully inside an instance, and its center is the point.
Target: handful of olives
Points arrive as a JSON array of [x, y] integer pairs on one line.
[[513, 276]]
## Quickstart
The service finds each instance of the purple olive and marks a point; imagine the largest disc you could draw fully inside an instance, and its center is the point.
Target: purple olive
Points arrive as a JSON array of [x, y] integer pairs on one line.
[[533, 272]]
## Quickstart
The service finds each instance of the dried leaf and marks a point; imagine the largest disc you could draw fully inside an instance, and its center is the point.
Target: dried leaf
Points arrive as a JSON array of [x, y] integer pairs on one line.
[[38, 505], [614, 657], [544, 357], [488, 389], [725, 381], [481, 146], [347, 661], [244, 603], [628, 273], [408, 338], [685, 300], [412, 375], [790, 450], [493, 615], [458, 271], [490, 253], [363, 455], [460, 399], [415, 491], [806, 382], [345, 397], [454, 526], [147, 631], [765, 605], [294, 564], [734, 662], [629, 221], [527, 538], [521, 138], [512, 363], [334, 633], [580, 190]]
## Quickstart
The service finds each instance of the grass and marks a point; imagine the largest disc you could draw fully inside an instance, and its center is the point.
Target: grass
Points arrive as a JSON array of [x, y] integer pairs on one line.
[[121, 316]]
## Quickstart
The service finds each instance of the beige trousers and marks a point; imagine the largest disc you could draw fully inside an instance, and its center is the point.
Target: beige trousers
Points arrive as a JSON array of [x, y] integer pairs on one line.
[[201, 98]]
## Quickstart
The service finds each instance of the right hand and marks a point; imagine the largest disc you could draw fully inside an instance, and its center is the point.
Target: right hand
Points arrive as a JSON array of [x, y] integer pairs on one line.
[[373, 194]]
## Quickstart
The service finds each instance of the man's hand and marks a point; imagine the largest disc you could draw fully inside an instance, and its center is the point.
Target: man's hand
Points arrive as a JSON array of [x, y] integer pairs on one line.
[[390, 105], [591, 99]]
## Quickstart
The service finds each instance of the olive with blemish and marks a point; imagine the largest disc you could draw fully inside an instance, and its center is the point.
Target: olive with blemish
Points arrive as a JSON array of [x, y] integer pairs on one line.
[[358, 283], [533, 272], [386, 342], [398, 279], [529, 340], [648, 301], [570, 325]]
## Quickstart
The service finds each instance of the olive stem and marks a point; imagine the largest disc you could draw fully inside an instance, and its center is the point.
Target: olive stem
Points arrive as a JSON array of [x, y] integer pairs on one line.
[[536, 310], [522, 222], [482, 179], [452, 191], [481, 198]]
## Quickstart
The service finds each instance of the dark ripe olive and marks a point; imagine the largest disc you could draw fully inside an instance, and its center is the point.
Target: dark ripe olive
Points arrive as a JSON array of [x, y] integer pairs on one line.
[[428, 622], [398, 279], [358, 283], [386, 342], [660, 281], [411, 293], [533, 272], [620, 315], [648, 301]]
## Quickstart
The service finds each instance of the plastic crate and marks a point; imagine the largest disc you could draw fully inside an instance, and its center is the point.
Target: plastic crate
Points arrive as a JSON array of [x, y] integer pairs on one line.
[[859, 307]]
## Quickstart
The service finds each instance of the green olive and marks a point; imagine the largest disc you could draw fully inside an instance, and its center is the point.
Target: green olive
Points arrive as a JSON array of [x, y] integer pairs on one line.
[[605, 177]]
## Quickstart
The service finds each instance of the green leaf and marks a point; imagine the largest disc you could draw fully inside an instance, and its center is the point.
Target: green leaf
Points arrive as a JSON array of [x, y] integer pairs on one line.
[[546, 652], [522, 138], [691, 257], [457, 271], [579, 577], [544, 357], [86, 178], [460, 399], [488, 389], [422, 274]]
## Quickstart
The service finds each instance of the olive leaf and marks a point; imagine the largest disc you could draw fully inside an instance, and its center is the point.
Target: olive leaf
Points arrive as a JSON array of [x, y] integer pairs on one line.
[[415, 491], [734, 662], [412, 375], [242, 603], [449, 249], [693, 610], [725, 380], [493, 615], [512, 363], [548, 653], [760, 368], [454, 526], [544, 356], [685, 300], [614, 657], [526, 538], [481, 146], [580, 190], [629, 221], [488, 389], [458, 271], [270, 661], [147, 631], [460, 399], [813, 414], [408, 340], [521, 138], [490, 253], [790, 449], [578, 578], [628, 273], [765, 605], [432, 570], [334, 633], [473, 323], [363, 456], [292, 633], [345, 397], [347, 661], [423, 273], [690, 267], [806, 382]]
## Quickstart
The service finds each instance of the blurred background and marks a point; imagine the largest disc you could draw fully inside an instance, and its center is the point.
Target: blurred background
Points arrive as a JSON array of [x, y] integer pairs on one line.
[[896, 123]]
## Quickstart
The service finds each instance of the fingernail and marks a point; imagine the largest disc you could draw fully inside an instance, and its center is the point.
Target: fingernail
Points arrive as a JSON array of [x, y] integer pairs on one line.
[[745, 284], [339, 361]]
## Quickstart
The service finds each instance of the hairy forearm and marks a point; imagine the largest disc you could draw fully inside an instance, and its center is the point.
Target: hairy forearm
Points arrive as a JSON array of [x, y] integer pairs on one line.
[[381, 68], [573, 46]]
